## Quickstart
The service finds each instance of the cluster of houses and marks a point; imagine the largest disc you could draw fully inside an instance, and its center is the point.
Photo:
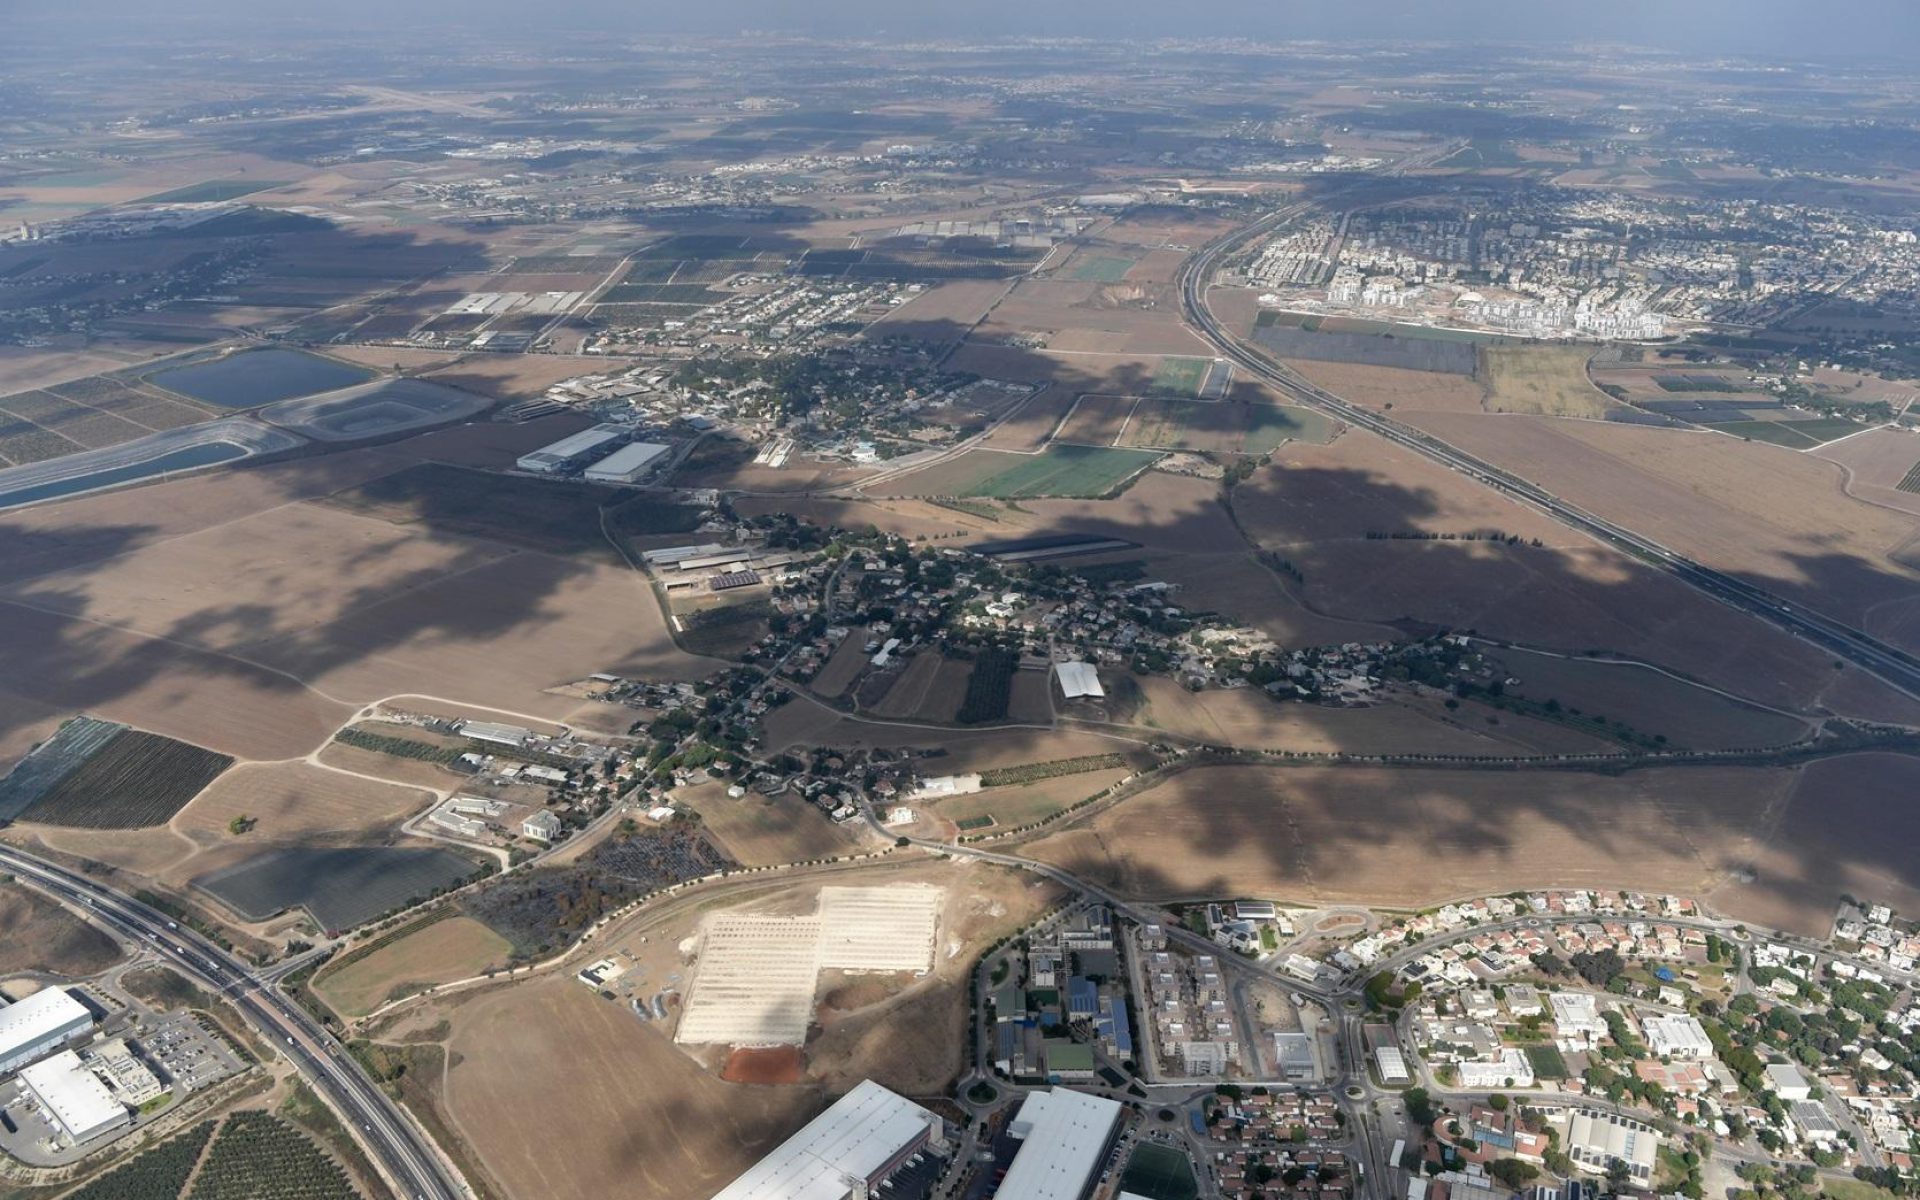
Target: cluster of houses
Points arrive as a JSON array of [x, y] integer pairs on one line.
[[1275, 1144]]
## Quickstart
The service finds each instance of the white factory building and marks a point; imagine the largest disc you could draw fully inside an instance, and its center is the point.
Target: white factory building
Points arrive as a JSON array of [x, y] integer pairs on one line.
[[1064, 1137], [43, 1022], [847, 1151], [1078, 681], [74, 1099], [1597, 1140], [573, 450], [1677, 1035], [628, 464]]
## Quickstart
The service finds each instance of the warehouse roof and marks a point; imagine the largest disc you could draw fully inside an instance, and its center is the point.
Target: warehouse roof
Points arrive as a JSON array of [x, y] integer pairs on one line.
[[861, 1133], [580, 443], [79, 1102], [39, 1016], [628, 458], [1063, 1135], [1078, 680]]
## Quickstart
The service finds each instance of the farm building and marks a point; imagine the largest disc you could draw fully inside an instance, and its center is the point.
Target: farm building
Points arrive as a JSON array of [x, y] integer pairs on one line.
[[542, 825], [947, 785], [848, 1150], [668, 556], [573, 450], [1063, 1136], [77, 1103], [628, 464], [43, 1021], [1079, 681], [496, 733]]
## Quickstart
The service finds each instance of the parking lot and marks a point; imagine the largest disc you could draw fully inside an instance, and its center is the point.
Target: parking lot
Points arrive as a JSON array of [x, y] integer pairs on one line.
[[184, 1053]]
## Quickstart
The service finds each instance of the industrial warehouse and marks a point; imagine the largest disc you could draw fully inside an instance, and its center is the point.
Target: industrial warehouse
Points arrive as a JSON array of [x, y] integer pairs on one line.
[[43, 1022], [1064, 1136], [603, 451], [851, 1150]]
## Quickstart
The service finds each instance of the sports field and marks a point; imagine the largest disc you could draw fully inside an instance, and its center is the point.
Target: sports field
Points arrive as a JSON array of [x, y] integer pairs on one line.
[[1102, 268], [1181, 376], [1159, 1173], [1089, 471]]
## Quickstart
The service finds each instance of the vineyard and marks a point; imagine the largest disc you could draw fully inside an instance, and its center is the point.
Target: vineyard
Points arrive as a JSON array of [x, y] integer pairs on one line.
[[1035, 772], [135, 780], [260, 1157], [158, 1174], [989, 687]]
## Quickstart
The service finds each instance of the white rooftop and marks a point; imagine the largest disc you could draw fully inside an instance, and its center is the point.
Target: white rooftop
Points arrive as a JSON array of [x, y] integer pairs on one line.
[[856, 1137], [79, 1102], [1063, 1136], [628, 458], [1078, 679], [39, 1016]]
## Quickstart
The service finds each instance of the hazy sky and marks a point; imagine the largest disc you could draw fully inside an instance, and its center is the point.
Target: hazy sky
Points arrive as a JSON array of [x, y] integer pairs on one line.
[[1879, 28]]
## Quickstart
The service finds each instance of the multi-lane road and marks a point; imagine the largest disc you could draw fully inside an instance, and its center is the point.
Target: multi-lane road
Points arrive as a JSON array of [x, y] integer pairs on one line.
[[1892, 665], [404, 1154]]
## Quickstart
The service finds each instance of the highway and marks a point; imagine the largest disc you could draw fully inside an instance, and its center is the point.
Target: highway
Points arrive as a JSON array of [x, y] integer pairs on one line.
[[403, 1152], [1895, 667]]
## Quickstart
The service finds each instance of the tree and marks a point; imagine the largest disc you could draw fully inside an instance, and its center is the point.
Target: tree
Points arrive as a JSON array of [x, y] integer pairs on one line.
[[241, 824], [1420, 1106], [1514, 1173], [1498, 1102]]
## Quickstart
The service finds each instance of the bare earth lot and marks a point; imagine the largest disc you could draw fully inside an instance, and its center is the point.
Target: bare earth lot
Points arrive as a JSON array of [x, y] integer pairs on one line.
[[449, 949], [38, 935]]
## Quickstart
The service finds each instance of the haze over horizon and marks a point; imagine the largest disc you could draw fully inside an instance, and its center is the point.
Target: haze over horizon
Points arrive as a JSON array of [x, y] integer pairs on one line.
[[1867, 29]]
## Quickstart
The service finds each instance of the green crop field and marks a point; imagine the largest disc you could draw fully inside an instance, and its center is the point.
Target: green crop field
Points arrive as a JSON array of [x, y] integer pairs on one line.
[[1059, 470], [1548, 1062], [1180, 376], [1223, 426], [212, 190], [1102, 268], [1779, 433]]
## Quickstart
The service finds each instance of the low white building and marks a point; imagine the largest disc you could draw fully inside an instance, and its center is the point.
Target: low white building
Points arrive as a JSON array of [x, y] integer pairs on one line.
[[1597, 1140], [1785, 1081], [1392, 1064], [74, 1099], [542, 826], [1576, 1020], [1513, 1069], [849, 1150], [1079, 681], [629, 464], [1678, 1036]]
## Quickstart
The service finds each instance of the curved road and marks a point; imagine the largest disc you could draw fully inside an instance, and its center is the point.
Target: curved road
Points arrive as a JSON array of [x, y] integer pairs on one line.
[[1894, 666], [409, 1159]]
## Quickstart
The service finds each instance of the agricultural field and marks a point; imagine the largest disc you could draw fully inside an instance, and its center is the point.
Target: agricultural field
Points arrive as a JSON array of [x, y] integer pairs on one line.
[[1018, 804], [1655, 704], [1848, 827], [298, 800], [1416, 836], [1059, 470], [558, 516], [1550, 380], [1405, 351], [762, 830], [449, 948], [1222, 426], [989, 691], [644, 1118], [212, 191], [38, 935], [340, 887], [258, 1156], [932, 688], [52, 761], [132, 781]]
